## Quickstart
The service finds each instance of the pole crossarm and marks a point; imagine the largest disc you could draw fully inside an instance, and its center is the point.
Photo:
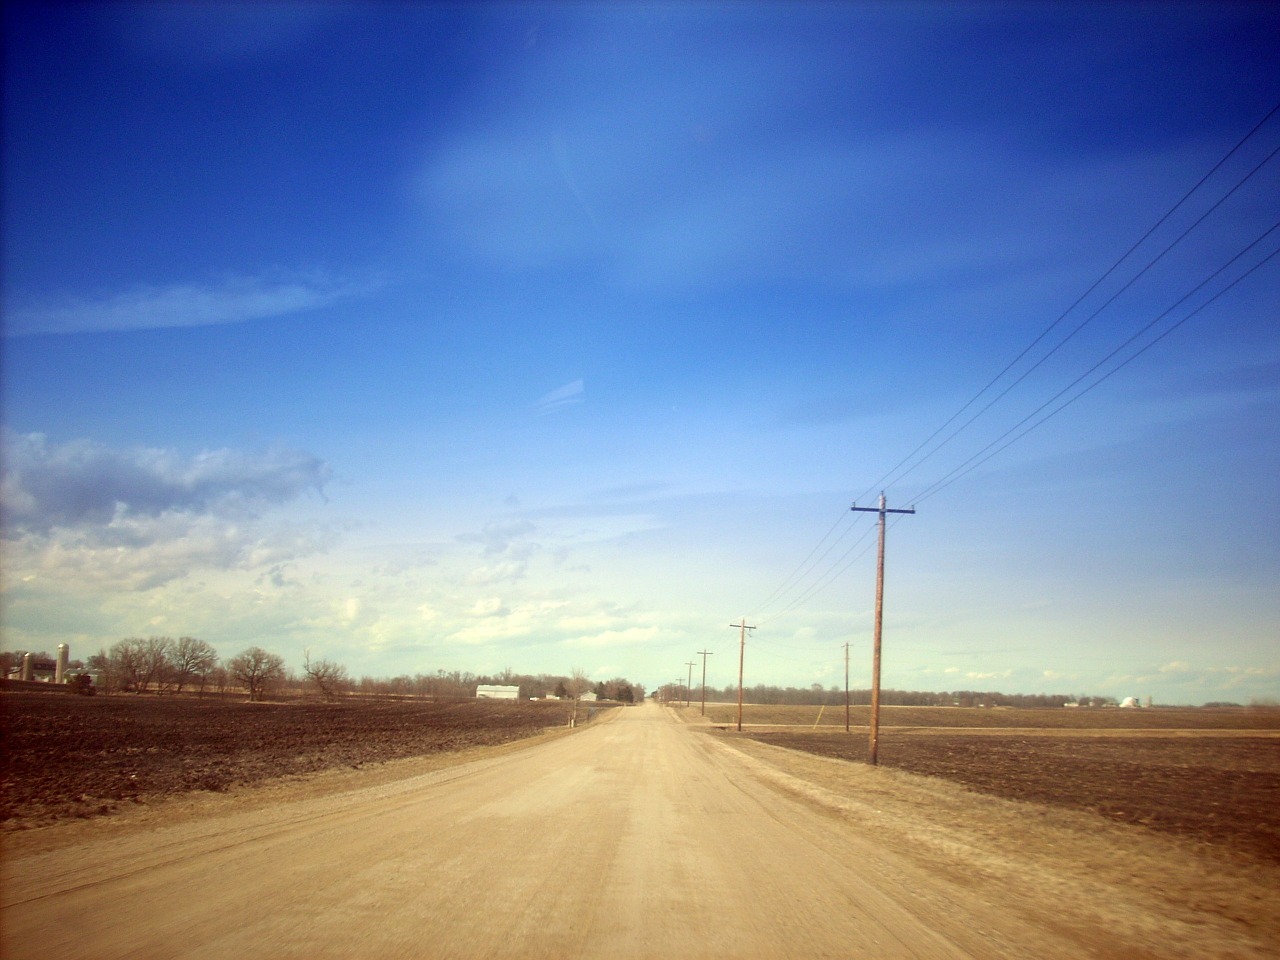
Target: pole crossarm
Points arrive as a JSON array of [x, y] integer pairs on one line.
[[882, 509], [873, 749]]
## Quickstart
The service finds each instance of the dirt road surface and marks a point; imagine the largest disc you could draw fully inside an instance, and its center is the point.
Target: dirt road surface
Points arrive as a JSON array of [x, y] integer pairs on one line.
[[637, 837]]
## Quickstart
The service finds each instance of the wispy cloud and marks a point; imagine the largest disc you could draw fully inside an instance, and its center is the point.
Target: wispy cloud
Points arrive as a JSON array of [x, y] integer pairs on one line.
[[560, 398], [232, 299]]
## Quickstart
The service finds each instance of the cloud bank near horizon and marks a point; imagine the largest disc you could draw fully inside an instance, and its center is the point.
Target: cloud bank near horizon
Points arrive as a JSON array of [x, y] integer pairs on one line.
[[83, 512]]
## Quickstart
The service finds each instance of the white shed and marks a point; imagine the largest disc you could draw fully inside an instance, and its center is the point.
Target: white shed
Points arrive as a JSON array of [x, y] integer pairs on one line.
[[497, 693]]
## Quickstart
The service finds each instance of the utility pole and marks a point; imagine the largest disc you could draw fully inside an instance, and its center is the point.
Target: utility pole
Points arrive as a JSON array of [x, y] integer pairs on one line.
[[742, 649], [873, 749], [688, 689], [846, 686], [704, 654]]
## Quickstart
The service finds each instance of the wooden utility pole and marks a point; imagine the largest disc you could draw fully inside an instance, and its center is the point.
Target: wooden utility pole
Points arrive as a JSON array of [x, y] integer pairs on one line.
[[846, 687], [688, 688], [704, 654], [873, 749], [742, 649]]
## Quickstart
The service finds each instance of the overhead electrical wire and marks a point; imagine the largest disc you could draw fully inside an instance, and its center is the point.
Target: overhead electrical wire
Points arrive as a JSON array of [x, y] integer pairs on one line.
[[878, 485], [973, 462], [825, 580], [1087, 320], [843, 562], [797, 572]]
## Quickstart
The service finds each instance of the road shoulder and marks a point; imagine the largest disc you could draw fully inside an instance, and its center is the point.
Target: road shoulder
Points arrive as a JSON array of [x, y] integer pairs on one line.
[[1107, 884]]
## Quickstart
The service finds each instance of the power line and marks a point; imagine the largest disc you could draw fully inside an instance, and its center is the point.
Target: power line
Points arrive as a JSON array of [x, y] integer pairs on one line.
[[802, 570], [1012, 363], [827, 577], [805, 570], [1080, 326], [974, 462]]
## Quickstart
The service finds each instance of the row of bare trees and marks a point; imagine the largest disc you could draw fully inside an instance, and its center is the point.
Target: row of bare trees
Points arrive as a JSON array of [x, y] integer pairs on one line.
[[159, 663], [166, 665]]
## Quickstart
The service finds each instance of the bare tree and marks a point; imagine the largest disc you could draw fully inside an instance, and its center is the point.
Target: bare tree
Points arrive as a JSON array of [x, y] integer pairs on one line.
[[190, 659], [221, 679], [255, 670], [577, 686], [157, 662], [328, 677], [126, 664]]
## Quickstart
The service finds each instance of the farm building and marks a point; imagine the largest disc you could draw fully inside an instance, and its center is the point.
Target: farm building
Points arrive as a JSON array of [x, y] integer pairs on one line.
[[497, 693]]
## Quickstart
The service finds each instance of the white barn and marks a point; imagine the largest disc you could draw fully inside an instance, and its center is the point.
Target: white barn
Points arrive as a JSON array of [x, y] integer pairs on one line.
[[497, 693]]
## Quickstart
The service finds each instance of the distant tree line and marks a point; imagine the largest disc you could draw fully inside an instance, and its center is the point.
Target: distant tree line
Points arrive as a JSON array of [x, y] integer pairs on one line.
[[816, 694], [457, 684], [164, 665]]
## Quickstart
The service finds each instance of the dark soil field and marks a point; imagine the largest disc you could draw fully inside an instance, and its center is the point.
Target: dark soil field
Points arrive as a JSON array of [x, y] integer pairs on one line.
[[1210, 776], [65, 756]]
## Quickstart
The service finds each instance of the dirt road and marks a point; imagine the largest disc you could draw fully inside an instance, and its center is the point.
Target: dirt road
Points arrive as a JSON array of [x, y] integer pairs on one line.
[[638, 837]]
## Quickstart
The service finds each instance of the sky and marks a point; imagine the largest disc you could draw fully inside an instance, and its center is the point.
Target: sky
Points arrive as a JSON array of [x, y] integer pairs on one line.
[[564, 336]]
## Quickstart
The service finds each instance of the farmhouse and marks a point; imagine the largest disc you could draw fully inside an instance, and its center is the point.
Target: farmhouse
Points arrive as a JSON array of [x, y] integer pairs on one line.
[[484, 692]]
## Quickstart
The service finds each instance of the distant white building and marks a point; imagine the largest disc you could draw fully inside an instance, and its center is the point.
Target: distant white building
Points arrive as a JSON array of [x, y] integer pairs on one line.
[[497, 693]]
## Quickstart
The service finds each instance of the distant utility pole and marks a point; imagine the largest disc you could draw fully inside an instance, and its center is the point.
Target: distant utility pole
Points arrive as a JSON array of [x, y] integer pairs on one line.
[[846, 687], [742, 649], [704, 654], [874, 746], [688, 689]]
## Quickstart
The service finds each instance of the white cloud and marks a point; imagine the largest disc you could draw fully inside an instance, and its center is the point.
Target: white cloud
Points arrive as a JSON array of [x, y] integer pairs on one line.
[[501, 537], [81, 512], [504, 572], [989, 675], [148, 553], [81, 484], [232, 299], [614, 638], [489, 607]]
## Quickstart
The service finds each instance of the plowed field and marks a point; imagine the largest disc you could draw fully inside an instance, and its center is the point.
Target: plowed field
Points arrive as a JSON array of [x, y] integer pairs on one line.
[[1211, 776], [68, 756]]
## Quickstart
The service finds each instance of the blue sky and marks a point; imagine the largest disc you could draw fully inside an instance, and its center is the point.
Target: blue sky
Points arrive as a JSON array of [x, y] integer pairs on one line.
[[555, 336]]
